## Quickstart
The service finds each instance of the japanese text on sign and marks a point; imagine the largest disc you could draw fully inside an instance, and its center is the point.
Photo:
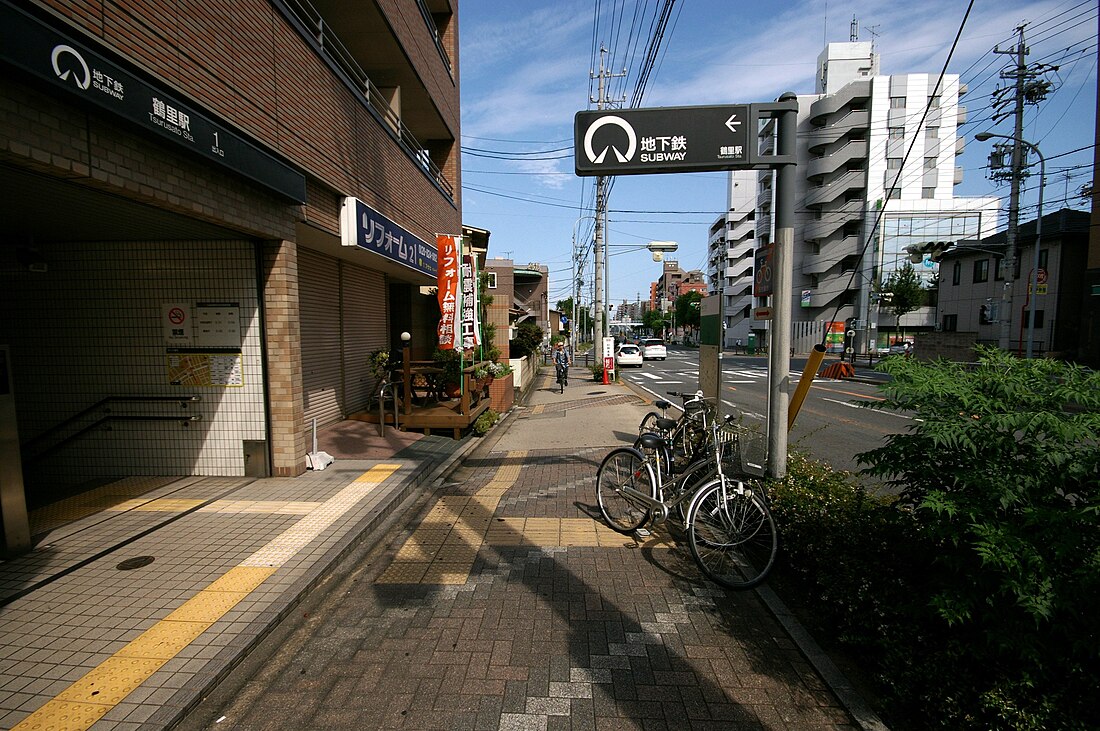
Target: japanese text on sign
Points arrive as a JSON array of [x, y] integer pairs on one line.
[[471, 328], [449, 294], [362, 226]]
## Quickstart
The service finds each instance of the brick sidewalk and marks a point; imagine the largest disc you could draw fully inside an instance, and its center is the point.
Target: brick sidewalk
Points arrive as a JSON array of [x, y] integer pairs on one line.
[[503, 603]]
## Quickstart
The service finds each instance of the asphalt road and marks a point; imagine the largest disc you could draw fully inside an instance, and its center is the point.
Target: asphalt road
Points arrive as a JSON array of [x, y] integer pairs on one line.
[[832, 426]]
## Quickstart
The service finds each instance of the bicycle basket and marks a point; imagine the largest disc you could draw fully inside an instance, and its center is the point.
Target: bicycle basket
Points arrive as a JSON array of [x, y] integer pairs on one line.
[[698, 410], [745, 448]]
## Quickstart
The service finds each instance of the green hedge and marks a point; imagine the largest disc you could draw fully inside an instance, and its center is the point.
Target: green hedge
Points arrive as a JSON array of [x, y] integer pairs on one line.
[[971, 599]]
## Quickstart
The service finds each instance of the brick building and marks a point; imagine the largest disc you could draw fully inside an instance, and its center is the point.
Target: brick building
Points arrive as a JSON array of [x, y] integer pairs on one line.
[[213, 214]]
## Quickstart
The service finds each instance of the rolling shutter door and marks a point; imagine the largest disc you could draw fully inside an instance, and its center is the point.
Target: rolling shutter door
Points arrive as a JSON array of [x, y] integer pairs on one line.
[[319, 307], [364, 322]]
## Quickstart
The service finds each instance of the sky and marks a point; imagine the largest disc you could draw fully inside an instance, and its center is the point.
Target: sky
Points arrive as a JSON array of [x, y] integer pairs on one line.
[[526, 69]]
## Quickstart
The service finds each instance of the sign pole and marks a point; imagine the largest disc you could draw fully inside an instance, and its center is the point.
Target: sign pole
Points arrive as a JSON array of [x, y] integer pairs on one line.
[[779, 363]]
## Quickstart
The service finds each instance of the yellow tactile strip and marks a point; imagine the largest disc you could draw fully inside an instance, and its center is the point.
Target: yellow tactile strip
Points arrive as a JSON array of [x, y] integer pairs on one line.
[[178, 505], [106, 497], [444, 546], [91, 697]]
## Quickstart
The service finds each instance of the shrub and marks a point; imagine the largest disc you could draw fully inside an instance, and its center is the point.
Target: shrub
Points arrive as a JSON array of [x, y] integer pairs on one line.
[[485, 422], [971, 597], [1000, 470]]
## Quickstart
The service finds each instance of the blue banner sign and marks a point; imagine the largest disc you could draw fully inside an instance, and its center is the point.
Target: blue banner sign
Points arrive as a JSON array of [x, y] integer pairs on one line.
[[362, 226]]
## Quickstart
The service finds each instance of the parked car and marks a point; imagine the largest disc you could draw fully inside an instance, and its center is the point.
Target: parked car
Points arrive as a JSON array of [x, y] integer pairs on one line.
[[654, 349], [628, 355]]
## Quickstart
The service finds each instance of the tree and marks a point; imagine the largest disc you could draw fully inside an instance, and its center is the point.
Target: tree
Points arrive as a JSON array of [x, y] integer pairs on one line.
[[905, 293], [687, 309], [584, 320], [655, 320]]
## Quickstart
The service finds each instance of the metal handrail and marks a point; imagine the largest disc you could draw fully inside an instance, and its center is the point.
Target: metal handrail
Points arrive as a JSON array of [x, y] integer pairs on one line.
[[103, 403], [330, 47], [388, 386], [184, 420], [430, 22]]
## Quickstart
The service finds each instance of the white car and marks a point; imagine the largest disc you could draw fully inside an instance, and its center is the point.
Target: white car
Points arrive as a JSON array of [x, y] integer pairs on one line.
[[628, 354], [654, 349]]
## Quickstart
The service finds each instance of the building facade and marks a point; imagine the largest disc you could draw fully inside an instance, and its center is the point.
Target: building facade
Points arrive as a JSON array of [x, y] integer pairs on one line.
[[878, 155], [730, 250], [972, 280], [212, 223]]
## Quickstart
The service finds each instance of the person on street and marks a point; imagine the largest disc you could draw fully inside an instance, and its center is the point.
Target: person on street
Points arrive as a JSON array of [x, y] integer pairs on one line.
[[561, 365]]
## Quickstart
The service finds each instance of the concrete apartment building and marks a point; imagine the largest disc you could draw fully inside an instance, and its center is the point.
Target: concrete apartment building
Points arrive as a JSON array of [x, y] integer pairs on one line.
[[213, 215], [866, 149], [730, 248]]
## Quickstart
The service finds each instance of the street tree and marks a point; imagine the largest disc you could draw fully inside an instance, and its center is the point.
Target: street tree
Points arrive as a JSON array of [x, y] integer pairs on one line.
[[687, 310], [903, 292]]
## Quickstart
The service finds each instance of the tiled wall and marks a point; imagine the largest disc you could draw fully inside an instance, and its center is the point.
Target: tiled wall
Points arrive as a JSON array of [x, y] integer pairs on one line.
[[93, 325]]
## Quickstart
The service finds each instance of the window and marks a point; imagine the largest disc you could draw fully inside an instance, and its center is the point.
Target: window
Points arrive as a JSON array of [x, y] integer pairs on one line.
[[491, 278], [896, 133], [931, 133], [893, 163], [933, 102], [930, 163], [893, 194], [927, 193], [950, 323], [897, 102], [981, 270], [998, 268], [1038, 318], [956, 274]]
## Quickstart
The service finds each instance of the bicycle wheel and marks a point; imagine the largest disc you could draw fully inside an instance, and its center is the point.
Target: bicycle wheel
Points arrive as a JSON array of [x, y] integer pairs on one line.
[[649, 423], [732, 535], [624, 467]]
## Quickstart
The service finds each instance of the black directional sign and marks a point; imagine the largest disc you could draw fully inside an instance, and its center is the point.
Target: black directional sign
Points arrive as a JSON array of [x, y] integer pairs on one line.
[[664, 140]]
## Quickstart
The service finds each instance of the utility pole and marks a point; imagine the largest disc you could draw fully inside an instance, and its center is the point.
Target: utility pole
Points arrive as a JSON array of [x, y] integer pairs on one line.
[[1009, 266], [1026, 88], [599, 252]]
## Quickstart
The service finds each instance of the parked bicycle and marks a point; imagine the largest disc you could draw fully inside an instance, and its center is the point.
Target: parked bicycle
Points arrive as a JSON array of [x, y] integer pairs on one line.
[[730, 530], [688, 436]]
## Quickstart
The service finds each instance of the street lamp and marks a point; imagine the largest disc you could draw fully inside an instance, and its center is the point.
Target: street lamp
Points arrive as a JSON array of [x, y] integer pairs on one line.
[[1033, 279]]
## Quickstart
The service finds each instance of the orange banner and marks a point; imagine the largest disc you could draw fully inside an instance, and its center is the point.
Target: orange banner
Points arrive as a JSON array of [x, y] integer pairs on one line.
[[448, 294]]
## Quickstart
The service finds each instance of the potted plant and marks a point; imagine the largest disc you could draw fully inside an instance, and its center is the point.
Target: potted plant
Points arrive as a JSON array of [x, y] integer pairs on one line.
[[379, 364], [499, 370], [449, 363]]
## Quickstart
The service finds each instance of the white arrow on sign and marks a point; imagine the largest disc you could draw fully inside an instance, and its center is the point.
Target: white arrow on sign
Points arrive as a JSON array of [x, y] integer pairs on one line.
[[732, 123]]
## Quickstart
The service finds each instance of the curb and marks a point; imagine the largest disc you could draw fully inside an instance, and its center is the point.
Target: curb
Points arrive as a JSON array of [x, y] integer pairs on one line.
[[366, 533]]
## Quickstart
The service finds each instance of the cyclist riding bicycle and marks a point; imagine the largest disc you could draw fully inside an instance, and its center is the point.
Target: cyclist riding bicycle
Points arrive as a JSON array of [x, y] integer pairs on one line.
[[561, 365]]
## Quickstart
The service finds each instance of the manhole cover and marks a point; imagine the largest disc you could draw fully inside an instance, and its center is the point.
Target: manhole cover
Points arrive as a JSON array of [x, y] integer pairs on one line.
[[135, 563]]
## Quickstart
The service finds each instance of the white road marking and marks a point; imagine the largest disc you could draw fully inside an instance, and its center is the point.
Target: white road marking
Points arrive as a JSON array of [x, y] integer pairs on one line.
[[858, 406]]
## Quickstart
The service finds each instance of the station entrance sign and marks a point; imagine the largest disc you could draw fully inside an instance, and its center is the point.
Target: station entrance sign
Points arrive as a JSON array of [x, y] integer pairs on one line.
[[664, 139]]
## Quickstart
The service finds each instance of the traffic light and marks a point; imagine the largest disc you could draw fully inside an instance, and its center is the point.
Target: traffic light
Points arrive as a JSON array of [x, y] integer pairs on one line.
[[934, 249]]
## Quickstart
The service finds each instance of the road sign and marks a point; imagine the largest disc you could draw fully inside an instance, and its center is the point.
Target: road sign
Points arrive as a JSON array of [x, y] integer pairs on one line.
[[762, 262], [663, 140], [762, 313]]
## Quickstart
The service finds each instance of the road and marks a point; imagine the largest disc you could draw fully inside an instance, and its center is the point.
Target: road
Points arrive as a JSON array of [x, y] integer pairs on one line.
[[832, 426]]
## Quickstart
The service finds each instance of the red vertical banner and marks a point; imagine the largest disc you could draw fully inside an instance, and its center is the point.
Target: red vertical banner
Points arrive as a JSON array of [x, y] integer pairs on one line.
[[471, 327], [448, 293]]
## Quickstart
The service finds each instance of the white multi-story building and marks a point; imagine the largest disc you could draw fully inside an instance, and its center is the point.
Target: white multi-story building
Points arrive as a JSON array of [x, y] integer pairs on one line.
[[730, 257], [876, 161]]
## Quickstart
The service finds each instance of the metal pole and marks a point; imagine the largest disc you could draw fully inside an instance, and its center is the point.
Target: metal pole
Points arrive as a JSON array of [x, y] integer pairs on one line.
[[1034, 283], [779, 363], [1005, 314]]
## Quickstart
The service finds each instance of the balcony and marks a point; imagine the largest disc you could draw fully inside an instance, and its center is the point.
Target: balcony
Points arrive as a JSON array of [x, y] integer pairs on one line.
[[851, 150], [854, 180], [822, 137]]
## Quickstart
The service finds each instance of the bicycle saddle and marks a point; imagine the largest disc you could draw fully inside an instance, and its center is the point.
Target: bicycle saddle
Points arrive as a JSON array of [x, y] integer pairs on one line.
[[662, 405], [650, 441], [665, 424]]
